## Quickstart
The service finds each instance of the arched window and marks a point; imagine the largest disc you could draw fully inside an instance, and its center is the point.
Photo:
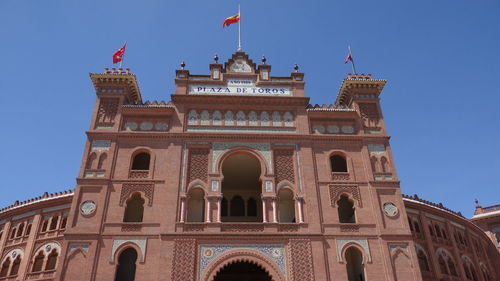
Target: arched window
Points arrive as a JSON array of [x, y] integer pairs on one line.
[[442, 265], [102, 158], [237, 206], [64, 221], [28, 229], [385, 165], [374, 163], [90, 161], [338, 163], [346, 210], [451, 266], [251, 207], [486, 274], [15, 266], [45, 224], [431, 230], [38, 263], [52, 260], [125, 270], [53, 223], [438, 231], [20, 230], [422, 261], [196, 205], [135, 209], [141, 161], [286, 206], [13, 233], [410, 223], [417, 227], [5, 268], [354, 266], [223, 207]]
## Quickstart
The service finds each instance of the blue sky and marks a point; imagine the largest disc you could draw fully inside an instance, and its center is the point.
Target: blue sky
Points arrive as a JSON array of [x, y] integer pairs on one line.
[[440, 59]]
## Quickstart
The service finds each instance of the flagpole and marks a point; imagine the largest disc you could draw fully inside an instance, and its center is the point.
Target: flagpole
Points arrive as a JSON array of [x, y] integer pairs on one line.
[[123, 57], [239, 29], [352, 60]]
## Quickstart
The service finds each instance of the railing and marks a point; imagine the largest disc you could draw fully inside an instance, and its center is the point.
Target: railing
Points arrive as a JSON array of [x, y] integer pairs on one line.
[[138, 174], [41, 274], [340, 176]]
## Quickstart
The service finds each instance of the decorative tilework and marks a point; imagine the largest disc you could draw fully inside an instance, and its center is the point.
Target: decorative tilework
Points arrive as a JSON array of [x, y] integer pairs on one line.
[[140, 242], [208, 253], [363, 243], [263, 148], [101, 145]]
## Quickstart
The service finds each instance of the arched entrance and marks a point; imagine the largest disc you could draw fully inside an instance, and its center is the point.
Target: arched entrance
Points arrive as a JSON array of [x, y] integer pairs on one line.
[[242, 271], [241, 189]]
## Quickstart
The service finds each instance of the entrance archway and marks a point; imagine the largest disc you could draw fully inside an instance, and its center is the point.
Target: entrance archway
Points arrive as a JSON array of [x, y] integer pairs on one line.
[[242, 271], [241, 189]]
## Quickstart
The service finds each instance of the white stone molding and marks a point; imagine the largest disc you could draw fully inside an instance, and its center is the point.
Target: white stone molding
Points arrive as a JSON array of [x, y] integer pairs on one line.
[[363, 243], [139, 242]]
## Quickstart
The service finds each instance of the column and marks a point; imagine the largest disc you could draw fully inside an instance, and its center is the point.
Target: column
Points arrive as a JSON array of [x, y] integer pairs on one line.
[[219, 209], [183, 208], [275, 212], [264, 213], [299, 201], [207, 209]]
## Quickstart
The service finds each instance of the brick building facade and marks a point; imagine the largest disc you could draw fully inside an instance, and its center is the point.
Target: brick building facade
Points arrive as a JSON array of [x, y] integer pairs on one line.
[[238, 177]]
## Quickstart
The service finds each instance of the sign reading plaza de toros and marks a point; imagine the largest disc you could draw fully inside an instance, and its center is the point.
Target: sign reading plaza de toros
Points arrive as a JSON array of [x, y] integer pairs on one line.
[[240, 87]]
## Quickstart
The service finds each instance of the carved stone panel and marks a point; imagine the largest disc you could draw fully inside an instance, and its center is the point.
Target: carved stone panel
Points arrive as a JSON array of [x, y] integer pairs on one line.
[[129, 188], [198, 164], [108, 108], [337, 190], [184, 260], [301, 255], [283, 165]]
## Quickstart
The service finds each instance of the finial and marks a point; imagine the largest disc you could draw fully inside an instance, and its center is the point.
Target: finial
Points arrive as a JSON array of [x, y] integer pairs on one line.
[[296, 67], [477, 202], [183, 64], [216, 58], [263, 59]]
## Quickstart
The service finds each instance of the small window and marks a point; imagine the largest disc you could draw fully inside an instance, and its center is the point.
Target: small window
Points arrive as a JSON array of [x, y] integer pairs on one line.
[[451, 266], [53, 223], [251, 207], [15, 266], [411, 224], [354, 265], [45, 224], [20, 230], [223, 210], [28, 229], [38, 263], [64, 222], [141, 161], [52, 260], [135, 209], [346, 210], [442, 265], [422, 261], [417, 227], [5, 268], [338, 163], [237, 206]]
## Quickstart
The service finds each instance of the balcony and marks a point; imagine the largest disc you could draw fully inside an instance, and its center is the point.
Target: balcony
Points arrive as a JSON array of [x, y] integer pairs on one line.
[[340, 176], [42, 275]]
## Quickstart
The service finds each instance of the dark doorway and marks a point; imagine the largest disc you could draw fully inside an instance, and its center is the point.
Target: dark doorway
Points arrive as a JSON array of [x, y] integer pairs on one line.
[[126, 265], [242, 271], [242, 188]]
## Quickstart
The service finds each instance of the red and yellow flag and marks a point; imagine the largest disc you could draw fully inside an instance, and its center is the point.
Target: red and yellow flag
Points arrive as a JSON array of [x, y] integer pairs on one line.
[[230, 20]]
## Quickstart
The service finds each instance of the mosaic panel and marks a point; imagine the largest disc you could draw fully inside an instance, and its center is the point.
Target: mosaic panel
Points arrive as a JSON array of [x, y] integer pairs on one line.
[[209, 253], [263, 148]]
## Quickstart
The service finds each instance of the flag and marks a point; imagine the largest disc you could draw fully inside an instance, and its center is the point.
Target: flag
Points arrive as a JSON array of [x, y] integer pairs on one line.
[[348, 58], [230, 20], [118, 55]]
